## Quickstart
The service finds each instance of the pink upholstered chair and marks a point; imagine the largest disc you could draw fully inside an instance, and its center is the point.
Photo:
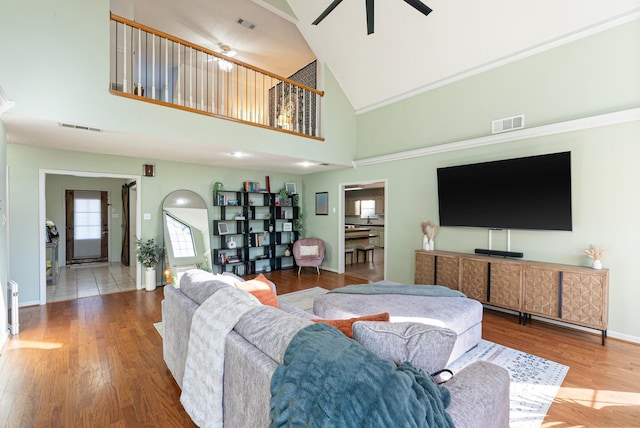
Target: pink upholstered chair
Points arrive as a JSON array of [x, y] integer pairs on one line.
[[308, 252]]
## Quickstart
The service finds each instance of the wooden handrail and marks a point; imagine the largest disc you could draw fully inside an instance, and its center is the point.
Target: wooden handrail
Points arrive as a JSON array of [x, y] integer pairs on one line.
[[164, 35]]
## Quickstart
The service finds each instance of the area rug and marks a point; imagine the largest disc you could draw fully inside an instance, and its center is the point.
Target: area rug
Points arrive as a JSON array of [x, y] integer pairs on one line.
[[534, 384], [535, 381], [303, 299]]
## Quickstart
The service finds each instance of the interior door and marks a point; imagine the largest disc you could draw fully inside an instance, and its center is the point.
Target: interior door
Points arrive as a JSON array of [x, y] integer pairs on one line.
[[126, 241], [87, 227]]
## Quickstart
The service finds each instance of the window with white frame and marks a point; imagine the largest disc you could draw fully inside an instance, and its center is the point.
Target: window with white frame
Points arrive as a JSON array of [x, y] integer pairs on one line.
[[181, 238], [368, 209]]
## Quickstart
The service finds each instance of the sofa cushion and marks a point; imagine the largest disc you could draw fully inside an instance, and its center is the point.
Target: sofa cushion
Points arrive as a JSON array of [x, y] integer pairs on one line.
[[345, 326], [260, 289], [424, 346], [270, 330], [199, 285]]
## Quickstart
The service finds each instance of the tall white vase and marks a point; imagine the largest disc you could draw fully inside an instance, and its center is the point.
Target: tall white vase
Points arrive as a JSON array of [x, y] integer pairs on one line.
[[150, 279]]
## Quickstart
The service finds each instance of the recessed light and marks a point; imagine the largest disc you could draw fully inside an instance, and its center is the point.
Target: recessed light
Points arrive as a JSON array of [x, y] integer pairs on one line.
[[306, 164], [238, 154]]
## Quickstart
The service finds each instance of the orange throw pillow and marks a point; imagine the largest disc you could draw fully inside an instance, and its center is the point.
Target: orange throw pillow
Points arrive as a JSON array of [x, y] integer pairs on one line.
[[260, 289], [346, 326]]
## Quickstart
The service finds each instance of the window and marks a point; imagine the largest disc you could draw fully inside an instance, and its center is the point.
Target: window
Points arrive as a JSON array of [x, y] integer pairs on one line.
[[181, 238], [86, 215], [368, 209]]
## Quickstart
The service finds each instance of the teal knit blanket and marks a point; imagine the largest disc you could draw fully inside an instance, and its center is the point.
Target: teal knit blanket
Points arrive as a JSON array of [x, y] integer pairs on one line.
[[328, 380], [390, 288]]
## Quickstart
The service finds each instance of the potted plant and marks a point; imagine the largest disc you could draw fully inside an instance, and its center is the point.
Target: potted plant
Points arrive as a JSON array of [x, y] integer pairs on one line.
[[285, 197], [149, 255]]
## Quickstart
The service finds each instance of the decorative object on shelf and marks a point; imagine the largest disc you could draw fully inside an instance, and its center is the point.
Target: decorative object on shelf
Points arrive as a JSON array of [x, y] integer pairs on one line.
[[596, 254], [217, 188], [291, 188], [429, 231], [287, 252], [285, 197], [149, 255], [223, 228], [232, 244], [322, 203], [287, 227]]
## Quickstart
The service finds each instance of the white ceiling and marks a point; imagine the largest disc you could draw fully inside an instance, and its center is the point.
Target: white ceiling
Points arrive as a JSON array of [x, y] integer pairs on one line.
[[407, 54]]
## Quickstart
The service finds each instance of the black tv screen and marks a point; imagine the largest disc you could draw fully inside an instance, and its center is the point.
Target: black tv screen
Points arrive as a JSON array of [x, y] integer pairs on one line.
[[524, 193]]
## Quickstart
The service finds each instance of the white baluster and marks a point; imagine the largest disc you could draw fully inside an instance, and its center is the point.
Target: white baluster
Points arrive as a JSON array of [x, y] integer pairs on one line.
[[153, 66], [166, 70], [125, 84]]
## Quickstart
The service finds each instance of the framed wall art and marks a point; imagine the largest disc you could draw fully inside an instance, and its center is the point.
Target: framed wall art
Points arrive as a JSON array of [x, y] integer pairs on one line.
[[322, 203]]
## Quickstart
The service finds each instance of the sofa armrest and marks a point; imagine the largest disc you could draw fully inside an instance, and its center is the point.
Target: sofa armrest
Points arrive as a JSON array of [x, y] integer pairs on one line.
[[424, 346], [479, 396]]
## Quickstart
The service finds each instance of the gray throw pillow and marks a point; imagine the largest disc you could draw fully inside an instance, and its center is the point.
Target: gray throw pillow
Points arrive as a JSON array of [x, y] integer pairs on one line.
[[425, 346]]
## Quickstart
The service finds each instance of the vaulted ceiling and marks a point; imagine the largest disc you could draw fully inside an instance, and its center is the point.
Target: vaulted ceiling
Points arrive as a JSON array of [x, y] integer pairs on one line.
[[408, 53]]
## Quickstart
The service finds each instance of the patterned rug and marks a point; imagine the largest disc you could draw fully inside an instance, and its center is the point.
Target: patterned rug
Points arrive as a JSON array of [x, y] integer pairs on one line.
[[535, 381]]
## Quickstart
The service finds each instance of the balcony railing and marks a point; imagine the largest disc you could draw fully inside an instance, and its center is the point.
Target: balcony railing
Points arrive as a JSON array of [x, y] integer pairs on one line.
[[150, 65]]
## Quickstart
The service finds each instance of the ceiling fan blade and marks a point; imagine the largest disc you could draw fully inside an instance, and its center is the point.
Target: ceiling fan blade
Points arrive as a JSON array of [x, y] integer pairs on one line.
[[369, 17], [419, 6], [326, 12]]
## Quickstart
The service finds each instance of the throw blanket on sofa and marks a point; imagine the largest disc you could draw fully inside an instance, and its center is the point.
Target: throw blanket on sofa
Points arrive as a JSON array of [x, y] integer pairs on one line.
[[204, 367], [328, 380], [391, 288]]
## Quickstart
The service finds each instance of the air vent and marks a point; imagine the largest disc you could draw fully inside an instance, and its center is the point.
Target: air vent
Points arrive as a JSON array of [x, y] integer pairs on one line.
[[245, 23], [507, 124], [84, 128]]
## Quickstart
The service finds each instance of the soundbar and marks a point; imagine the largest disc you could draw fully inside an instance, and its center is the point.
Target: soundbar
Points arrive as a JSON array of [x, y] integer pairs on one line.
[[513, 254]]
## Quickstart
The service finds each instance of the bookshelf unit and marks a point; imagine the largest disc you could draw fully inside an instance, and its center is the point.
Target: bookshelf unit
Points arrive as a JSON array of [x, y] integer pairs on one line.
[[250, 233]]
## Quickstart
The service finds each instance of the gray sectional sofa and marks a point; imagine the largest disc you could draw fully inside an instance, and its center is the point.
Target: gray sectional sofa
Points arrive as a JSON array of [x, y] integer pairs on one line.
[[255, 346]]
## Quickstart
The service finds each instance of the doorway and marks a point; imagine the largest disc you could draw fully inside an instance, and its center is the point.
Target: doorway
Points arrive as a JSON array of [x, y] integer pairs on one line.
[[363, 225], [87, 226], [45, 196]]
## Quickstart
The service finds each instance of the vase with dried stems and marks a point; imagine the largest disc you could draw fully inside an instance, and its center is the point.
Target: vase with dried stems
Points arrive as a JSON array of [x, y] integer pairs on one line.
[[429, 231], [596, 254]]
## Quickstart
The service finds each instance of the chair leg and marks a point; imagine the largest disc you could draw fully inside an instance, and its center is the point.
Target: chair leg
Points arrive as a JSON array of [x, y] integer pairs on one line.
[[299, 267], [318, 269]]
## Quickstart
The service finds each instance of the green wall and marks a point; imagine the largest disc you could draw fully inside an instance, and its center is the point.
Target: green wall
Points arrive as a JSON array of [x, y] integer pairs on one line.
[[25, 165], [3, 233], [592, 76]]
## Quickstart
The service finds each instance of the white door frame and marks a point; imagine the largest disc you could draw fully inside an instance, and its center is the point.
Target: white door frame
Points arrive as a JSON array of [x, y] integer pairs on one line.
[[42, 216], [341, 209]]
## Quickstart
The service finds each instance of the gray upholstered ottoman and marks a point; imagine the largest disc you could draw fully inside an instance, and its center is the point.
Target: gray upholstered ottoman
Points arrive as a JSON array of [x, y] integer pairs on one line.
[[460, 314]]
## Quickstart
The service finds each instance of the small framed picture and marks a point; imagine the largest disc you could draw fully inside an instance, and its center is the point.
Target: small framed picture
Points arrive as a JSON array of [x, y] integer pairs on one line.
[[322, 203], [287, 227], [291, 188], [223, 228]]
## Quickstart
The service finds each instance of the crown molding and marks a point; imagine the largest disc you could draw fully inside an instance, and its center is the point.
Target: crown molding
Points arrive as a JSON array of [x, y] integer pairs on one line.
[[607, 119], [572, 37]]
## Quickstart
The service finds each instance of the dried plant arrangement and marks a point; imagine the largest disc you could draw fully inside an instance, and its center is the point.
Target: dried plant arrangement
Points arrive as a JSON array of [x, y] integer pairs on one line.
[[595, 253], [429, 229]]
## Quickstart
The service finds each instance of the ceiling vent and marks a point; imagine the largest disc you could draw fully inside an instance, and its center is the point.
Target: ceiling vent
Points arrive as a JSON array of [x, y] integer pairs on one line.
[[245, 23], [507, 124], [84, 128]]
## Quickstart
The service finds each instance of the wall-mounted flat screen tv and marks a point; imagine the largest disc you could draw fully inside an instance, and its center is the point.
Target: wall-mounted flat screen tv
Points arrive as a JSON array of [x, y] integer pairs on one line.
[[524, 193]]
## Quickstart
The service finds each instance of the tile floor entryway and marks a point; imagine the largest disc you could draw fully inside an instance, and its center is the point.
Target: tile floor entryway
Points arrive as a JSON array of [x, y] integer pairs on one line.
[[87, 280]]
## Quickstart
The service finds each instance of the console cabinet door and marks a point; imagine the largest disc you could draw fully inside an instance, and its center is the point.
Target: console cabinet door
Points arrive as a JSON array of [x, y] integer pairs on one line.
[[425, 268], [505, 289], [585, 299], [474, 279], [448, 271], [541, 291]]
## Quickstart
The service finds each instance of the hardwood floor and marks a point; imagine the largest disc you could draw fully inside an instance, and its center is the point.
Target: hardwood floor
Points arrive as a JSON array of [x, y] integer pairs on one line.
[[97, 362]]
